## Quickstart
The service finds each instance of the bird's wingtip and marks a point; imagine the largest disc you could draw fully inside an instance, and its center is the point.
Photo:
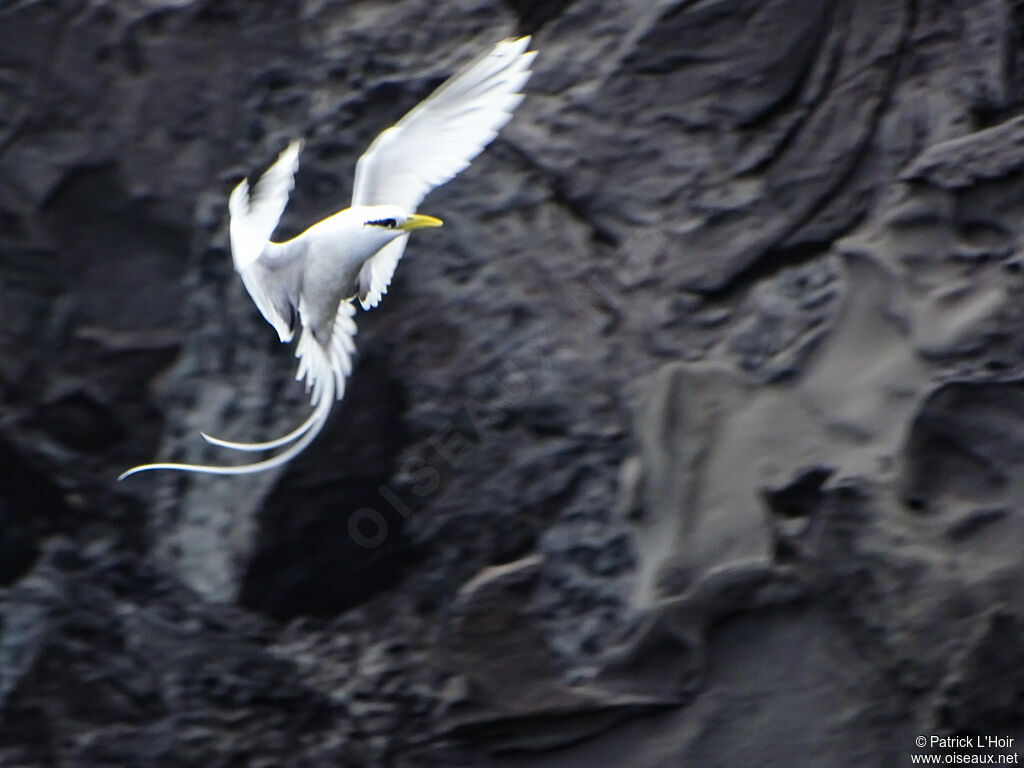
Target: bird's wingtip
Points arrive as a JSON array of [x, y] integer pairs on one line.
[[516, 45], [238, 202]]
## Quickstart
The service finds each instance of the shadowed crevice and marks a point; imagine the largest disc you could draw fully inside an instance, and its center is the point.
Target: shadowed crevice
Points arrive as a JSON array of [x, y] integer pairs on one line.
[[329, 537], [31, 505]]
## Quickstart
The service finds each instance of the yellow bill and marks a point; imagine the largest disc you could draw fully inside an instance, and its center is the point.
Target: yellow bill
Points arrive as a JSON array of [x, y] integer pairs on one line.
[[419, 221]]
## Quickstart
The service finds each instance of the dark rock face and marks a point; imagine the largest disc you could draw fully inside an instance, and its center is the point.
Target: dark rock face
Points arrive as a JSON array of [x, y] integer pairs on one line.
[[696, 437]]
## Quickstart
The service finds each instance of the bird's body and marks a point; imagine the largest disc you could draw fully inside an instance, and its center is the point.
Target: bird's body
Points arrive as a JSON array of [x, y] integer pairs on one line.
[[308, 283], [333, 252]]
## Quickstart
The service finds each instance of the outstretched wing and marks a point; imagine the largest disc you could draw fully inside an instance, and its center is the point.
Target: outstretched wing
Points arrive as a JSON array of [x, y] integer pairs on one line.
[[270, 274], [434, 142]]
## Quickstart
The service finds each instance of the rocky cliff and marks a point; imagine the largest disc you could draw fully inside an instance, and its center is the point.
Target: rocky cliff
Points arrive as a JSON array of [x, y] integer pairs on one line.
[[695, 437]]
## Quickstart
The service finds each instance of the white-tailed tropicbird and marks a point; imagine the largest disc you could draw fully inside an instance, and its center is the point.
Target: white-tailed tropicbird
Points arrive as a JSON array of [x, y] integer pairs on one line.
[[312, 279]]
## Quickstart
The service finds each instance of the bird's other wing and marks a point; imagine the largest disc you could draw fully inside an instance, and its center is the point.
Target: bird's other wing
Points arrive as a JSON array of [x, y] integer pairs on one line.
[[253, 221], [376, 273], [274, 281], [434, 142]]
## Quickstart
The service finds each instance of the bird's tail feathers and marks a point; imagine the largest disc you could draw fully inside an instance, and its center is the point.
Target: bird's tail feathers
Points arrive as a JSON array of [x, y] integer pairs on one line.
[[320, 364], [267, 445], [324, 368], [315, 425]]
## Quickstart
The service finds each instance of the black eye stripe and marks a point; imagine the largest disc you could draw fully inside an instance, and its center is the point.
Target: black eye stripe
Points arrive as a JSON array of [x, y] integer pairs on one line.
[[387, 223]]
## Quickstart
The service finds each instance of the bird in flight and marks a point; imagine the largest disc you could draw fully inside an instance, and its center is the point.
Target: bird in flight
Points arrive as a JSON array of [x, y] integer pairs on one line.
[[308, 284]]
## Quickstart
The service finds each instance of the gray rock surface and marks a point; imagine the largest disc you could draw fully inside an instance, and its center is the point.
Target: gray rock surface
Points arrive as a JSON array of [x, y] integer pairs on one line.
[[695, 437]]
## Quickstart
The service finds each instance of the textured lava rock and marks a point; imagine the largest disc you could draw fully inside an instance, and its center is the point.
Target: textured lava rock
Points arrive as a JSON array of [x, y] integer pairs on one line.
[[694, 437]]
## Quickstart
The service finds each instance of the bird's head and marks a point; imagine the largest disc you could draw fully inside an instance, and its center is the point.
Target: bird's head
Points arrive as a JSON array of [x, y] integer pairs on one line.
[[393, 218]]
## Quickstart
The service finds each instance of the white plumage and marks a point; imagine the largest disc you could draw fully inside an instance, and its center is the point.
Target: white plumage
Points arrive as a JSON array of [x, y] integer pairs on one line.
[[434, 142], [312, 279]]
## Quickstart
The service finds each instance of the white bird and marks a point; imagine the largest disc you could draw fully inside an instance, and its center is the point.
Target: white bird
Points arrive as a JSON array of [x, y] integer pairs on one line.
[[312, 279]]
